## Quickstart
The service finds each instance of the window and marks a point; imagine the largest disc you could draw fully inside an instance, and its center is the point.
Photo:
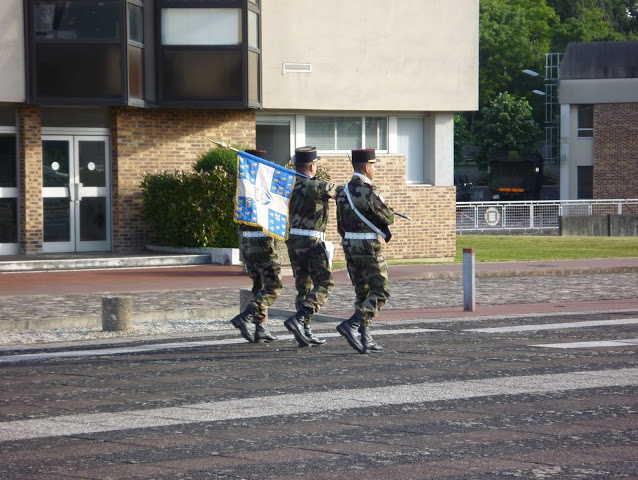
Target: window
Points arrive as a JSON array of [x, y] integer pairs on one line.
[[77, 19], [585, 121], [201, 26], [347, 133], [410, 133], [206, 55], [77, 51], [585, 182], [8, 183], [135, 50]]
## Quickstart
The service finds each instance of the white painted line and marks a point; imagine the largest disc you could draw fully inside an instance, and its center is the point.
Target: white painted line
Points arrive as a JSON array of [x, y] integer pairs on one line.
[[172, 346], [315, 402], [598, 344], [555, 326]]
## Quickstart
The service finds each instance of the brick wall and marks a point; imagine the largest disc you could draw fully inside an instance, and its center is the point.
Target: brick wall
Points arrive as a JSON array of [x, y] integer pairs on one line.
[[147, 141], [431, 233], [30, 178], [616, 150]]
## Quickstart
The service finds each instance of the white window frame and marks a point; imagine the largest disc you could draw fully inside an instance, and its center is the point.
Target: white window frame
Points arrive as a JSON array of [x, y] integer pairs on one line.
[[301, 129]]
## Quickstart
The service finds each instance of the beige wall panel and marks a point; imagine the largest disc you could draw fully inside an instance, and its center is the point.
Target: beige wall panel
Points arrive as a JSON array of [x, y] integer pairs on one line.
[[12, 87], [407, 55], [608, 90]]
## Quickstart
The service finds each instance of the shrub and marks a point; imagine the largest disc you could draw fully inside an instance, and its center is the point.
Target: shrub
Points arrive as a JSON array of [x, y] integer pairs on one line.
[[218, 157], [191, 209]]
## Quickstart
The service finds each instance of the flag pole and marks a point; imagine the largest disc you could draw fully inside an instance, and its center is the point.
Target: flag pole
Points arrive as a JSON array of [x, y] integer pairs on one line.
[[223, 145]]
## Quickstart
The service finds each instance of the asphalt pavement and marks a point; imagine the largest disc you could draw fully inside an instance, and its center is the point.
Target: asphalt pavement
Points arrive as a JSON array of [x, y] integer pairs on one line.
[[540, 381]]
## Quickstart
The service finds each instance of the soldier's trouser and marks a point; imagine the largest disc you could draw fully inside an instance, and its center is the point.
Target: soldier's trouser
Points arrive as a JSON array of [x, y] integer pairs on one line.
[[369, 275], [313, 276], [262, 263]]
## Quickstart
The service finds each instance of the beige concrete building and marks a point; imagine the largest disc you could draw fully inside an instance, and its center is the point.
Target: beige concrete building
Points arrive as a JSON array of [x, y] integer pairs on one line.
[[92, 95]]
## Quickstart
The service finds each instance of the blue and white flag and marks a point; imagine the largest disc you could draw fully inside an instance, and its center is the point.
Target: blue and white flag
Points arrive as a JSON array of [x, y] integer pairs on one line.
[[263, 194]]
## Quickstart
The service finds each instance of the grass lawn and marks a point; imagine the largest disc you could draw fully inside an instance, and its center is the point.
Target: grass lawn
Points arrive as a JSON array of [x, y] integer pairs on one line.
[[503, 248]]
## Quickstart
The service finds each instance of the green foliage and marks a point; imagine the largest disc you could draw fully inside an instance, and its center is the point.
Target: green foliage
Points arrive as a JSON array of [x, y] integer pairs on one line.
[[462, 137], [191, 209], [216, 156], [513, 35], [506, 124]]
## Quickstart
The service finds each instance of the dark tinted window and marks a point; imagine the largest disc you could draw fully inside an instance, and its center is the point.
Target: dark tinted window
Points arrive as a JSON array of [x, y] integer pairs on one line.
[[79, 71], [135, 72], [77, 19], [8, 220], [585, 182], [201, 75], [8, 161]]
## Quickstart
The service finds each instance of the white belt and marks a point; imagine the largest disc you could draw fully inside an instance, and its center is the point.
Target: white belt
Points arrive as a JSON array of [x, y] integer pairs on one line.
[[253, 234], [308, 233], [361, 236]]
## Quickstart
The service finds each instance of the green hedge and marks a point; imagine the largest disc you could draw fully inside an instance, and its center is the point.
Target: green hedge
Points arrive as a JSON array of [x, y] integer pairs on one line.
[[191, 209]]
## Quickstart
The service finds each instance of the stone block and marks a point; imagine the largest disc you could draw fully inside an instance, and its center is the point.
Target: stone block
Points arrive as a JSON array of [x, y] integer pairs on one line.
[[623, 225], [584, 225], [117, 313]]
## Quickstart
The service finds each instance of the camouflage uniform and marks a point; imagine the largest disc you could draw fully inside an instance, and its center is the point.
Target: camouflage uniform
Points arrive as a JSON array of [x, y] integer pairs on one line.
[[367, 267], [309, 212], [262, 263]]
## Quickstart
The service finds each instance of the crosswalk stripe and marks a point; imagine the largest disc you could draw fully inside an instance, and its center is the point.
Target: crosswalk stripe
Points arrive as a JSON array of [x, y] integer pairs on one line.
[[555, 326], [596, 344], [314, 402]]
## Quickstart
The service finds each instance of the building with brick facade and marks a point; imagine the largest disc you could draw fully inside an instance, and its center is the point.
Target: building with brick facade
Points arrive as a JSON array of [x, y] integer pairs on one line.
[[599, 120], [95, 94]]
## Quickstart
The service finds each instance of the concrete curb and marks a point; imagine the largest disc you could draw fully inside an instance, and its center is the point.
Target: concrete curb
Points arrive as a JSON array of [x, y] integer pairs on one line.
[[550, 272], [95, 321], [100, 263]]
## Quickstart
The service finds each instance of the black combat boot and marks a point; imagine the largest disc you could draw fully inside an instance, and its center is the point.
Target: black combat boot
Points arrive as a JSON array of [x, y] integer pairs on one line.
[[243, 321], [348, 329], [369, 345], [314, 340], [262, 335], [296, 324]]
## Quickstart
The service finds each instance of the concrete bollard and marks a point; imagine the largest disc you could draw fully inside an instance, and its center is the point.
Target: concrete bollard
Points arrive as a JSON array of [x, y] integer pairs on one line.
[[116, 314], [245, 296], [469, 280]]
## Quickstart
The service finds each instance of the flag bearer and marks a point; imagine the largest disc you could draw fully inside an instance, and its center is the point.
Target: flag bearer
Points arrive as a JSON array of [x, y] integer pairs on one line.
[[259, 255]]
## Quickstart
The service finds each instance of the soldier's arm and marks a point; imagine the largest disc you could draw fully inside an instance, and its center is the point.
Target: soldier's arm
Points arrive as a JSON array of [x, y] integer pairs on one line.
[[383, 213], [329, 189]]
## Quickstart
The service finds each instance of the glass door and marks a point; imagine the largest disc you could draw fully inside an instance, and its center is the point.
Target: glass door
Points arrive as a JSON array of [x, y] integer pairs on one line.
[[76, 193], [8, 193]]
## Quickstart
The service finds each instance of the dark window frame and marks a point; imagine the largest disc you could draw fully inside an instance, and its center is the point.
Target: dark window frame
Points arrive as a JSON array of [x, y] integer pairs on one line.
[[135, 45], [164, 99], [32, 41]]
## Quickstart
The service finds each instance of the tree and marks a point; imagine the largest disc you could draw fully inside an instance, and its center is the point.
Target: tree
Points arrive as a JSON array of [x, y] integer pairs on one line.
[[506, 124], [513, 35]]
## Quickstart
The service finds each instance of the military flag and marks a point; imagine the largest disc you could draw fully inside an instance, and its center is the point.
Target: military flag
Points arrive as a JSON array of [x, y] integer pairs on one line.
[[263, 194]]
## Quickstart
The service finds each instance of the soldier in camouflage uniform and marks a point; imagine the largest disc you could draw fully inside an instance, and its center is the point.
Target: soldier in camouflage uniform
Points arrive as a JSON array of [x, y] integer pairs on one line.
[[308, 211], [259, 255], [367, 268]]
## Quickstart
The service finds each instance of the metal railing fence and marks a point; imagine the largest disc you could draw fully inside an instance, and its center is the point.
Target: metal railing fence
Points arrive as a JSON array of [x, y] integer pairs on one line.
[[530, 215]]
